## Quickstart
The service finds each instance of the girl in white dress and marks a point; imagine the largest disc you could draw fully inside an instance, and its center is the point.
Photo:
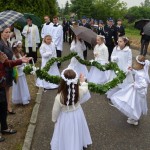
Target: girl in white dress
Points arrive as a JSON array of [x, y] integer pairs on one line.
[[78, 46], [71, 130], [20, 91], [101, 56], [48, 51], [122, 55], [131, 100]]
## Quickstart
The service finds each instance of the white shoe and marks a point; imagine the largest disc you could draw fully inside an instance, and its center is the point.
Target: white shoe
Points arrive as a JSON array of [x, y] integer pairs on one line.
[[132, 121]]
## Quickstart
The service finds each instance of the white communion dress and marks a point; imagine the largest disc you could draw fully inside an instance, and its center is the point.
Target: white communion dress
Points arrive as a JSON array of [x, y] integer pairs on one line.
[[123, 58], [78, 47], [95, 75], [131, 100], [20, 91], [47, 52], [71, 131]]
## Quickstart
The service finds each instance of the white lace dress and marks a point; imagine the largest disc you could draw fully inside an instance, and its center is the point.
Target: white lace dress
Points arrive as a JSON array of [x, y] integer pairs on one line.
[[78, 47], [71, 131], [47, 52], [20, 91], [131, 100], [123, 58], [95, 75]]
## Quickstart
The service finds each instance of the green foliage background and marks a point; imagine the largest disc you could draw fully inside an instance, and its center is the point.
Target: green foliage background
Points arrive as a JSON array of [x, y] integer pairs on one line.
[[37, 7]]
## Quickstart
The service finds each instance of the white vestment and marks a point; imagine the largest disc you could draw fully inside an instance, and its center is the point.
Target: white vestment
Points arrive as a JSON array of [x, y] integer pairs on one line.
[[32, 38], [57, 36], [46, 30]]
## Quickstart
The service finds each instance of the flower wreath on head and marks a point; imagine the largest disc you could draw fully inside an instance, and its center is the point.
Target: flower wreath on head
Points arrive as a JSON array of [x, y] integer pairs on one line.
[[146, 64], [17, 43], [69, 82], [140, 62]]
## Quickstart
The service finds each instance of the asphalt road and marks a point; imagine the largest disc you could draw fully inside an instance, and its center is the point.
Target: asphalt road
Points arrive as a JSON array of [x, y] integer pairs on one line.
[[108, 127]]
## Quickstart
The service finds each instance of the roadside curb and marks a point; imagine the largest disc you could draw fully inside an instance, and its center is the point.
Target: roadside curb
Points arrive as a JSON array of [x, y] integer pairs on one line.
[[33, 120]]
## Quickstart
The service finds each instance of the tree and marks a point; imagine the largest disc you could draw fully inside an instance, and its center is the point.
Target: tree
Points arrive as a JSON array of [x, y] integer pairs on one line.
[[135, 13], [146, 3], [37, 7], [66, 9], [81, 8], [103, 9]]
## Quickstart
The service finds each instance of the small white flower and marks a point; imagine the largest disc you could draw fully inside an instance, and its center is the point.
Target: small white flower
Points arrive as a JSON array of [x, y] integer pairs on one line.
[[117, 71]]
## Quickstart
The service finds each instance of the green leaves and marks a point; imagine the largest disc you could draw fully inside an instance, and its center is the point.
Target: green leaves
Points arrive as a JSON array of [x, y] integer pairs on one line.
[[97, 88]]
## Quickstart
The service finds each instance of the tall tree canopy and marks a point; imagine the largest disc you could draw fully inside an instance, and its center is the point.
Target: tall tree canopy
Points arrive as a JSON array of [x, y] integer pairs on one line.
[[99, 9], [37, 7], [82, 8]]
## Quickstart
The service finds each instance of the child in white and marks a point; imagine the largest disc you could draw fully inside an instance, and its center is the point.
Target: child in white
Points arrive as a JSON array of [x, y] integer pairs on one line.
[[122, 55], [101, 56], [131, 100], [78, 46], [48, 51], [20, 91], [71, 130]]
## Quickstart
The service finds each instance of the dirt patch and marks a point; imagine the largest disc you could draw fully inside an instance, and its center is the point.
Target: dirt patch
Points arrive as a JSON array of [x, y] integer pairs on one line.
[[136, 43]]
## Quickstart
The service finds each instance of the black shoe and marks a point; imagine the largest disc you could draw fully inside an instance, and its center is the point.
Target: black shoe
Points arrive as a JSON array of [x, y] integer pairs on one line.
[[2, 139], [9, 131], [110, 103]]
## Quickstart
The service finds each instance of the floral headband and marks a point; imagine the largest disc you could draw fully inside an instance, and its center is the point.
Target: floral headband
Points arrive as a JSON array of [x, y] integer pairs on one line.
[[140, 62], [17, 43], [69, 82]]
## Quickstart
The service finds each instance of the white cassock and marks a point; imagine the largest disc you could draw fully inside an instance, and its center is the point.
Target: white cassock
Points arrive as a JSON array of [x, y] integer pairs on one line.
[[46, 30], [123, 58], [95, 75], [32, 38], [18, 36], [20, 91], [57, 36], [132, 100], [47, 52]]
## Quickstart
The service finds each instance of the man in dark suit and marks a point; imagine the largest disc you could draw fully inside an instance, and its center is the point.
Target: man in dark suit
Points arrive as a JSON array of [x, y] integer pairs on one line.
[[87, 25], [65, 25], [111, 37], [100, 30], [120, 28]]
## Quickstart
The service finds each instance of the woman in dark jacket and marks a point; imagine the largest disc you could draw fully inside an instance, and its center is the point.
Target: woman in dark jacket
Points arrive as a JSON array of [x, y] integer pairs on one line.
[[6, 48], [4, 63]]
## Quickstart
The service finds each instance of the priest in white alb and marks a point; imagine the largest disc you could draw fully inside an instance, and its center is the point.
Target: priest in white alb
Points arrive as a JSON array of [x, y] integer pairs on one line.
[[32, 39]]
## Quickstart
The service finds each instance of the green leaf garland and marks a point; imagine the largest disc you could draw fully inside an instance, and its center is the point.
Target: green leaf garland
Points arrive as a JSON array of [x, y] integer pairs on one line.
[[97, 88]]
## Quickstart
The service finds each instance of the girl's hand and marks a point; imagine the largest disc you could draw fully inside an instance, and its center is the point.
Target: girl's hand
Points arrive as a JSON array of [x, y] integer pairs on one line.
[[130, 68], [82, 79], [26, 59]]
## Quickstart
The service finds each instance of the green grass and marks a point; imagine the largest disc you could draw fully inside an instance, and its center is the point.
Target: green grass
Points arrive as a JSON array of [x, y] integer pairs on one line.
[[133, 33]]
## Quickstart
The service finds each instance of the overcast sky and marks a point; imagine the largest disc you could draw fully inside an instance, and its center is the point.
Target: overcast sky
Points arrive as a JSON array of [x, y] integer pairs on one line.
[[130, 3]]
